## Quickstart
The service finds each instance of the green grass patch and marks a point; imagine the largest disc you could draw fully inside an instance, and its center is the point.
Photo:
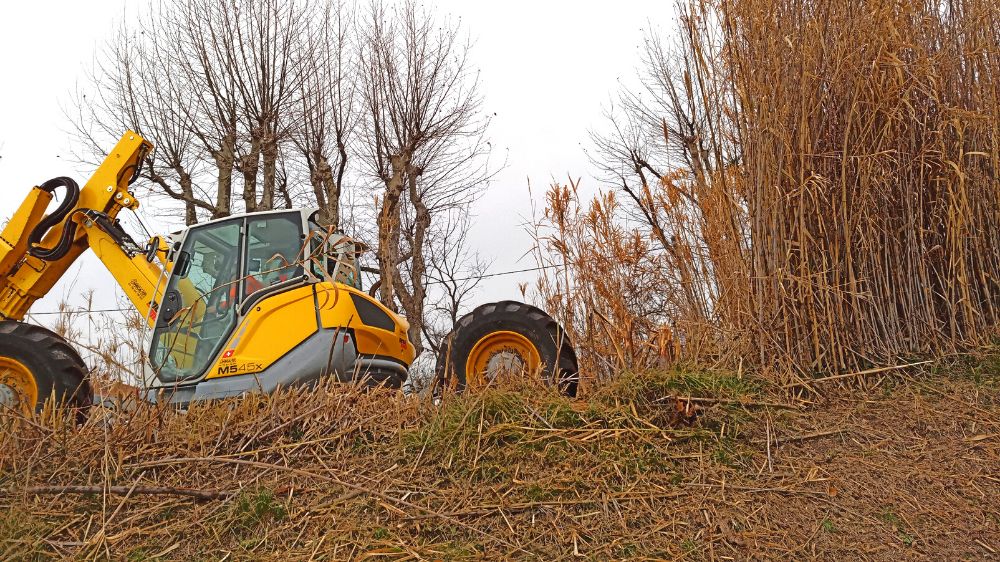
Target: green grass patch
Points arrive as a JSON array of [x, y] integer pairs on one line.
[[470, 428], [22, 536], [537, 493], [689, 547], [889, 516], [139, 554], [253, 509], [647, 389]]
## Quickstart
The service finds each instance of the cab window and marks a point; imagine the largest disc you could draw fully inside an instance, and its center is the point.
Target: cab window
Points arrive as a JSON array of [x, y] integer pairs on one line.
[[336, 254], [197, 311], [274, 251]]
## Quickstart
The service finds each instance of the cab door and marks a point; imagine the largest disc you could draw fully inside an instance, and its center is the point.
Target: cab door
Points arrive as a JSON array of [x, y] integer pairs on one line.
[[277, 303], [198, 313], [274, 252]]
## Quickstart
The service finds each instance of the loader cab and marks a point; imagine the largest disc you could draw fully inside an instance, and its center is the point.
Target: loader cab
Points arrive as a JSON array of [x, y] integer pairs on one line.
[[219, 269]]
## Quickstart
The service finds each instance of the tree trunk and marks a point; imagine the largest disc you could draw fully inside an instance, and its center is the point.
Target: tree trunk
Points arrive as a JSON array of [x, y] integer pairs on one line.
[[187, 190], [338, 182], [414, 305], [332, 189], [283, 190], [270, 158], [388, 231], [249, 165], [326, 189], [225, 160]]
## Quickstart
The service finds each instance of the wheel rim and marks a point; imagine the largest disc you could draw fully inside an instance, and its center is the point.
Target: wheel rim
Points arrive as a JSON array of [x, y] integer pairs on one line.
[[18, 389], [500, 353]]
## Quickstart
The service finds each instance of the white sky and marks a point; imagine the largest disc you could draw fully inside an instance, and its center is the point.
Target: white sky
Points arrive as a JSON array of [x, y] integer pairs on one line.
[[547, 69]]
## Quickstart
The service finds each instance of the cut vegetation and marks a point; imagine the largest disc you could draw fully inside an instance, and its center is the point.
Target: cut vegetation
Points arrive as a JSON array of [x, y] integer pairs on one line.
[[782, 305], [902, 469]]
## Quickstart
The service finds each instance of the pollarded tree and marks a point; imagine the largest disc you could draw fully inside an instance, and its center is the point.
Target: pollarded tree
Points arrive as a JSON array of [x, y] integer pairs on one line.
[[329, 108], [423, 139], [242, 98], [217, 86]]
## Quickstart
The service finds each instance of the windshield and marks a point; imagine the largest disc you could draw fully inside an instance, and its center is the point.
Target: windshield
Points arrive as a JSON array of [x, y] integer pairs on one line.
[[198, 307]]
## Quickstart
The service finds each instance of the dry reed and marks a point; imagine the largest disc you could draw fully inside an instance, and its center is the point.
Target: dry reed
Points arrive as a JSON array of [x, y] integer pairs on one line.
[[834, 205]]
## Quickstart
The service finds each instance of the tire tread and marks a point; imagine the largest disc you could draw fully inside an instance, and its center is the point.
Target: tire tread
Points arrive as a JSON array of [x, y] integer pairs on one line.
[[564, 353], [70, 374]]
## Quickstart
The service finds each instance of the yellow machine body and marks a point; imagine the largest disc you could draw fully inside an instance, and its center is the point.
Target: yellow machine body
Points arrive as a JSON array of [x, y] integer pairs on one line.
[[262, 300], [279, 324], [247, 303]]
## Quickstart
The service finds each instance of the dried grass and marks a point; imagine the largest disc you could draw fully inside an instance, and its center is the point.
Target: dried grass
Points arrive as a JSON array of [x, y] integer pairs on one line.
[[839, 213], [342, 473]]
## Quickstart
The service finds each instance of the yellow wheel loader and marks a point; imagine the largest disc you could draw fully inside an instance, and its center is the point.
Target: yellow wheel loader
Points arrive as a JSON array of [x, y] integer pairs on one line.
[[245, 303]]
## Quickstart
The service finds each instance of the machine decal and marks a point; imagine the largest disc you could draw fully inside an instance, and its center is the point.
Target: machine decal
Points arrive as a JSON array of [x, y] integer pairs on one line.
[[135, 286], [233, 367]]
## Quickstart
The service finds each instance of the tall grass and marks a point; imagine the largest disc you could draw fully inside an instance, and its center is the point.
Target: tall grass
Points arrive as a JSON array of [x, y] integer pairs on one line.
[[831, 201]]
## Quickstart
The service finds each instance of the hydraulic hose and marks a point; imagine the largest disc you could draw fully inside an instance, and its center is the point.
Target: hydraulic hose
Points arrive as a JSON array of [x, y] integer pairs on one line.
[[58, 216]]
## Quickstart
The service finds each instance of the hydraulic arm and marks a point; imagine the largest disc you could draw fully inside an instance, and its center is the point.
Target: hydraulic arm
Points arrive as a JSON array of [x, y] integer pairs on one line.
[[36, 250]]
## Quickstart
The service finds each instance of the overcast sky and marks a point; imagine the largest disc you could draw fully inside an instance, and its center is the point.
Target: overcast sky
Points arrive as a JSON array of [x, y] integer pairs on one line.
[[547, 69]]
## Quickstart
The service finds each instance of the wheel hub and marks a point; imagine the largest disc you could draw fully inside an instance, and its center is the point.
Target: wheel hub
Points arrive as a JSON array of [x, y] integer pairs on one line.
[[17, 387], [8, 397], [498, 354], [504, 361]]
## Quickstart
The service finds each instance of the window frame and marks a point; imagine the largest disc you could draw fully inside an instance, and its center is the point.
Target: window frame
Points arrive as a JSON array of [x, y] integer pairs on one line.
[[191, 237]]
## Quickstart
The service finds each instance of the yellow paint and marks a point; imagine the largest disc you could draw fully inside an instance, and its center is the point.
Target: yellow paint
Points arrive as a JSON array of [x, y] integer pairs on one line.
[[336, 310], [493, 345], [278, 323], [142, 281], [14, 239], [16, 376], [25, 279], [272, 328]]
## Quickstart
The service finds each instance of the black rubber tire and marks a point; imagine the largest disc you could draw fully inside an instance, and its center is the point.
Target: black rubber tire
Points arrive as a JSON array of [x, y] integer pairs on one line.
[[57, 367], [552, 342]]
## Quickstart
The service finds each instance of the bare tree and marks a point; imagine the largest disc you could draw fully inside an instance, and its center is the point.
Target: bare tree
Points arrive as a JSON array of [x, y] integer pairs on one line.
[[144, 88], [244, 99], [329, 110], [666, 146], [217, 86], [454, 273], [423, 139], [654, 128]]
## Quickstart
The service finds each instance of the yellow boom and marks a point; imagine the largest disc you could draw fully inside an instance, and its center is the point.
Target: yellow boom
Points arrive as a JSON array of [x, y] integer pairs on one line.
[[35, 251]]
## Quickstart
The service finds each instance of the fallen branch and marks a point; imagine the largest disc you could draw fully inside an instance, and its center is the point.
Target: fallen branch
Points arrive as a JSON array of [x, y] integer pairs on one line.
[[123, 490], [756, 490], [732, 401], [518, 507], [856, 374], [805, 436]]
